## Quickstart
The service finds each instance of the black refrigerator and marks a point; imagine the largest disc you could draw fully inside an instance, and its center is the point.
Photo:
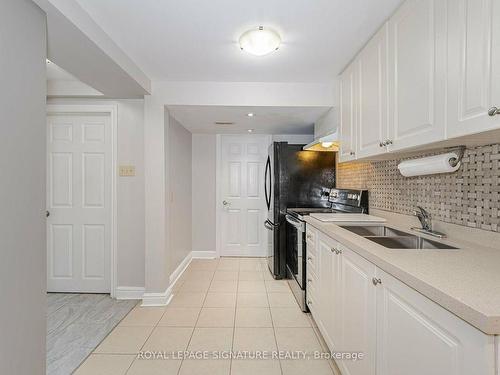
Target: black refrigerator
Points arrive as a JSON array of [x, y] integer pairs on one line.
[[293, 178]]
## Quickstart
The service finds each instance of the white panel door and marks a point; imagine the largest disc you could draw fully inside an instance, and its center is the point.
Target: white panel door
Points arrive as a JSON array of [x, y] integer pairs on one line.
[[416, 336], [372, 94], [473, 66], [78, 200], [358, 317], [348, 107], [241, 190], [417, 79]]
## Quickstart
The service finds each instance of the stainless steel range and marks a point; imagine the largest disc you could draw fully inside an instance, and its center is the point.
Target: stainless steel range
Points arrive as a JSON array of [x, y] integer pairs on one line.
[[341, 200]]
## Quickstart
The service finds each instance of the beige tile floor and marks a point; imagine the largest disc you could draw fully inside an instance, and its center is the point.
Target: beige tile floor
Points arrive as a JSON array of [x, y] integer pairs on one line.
[[218, 305]]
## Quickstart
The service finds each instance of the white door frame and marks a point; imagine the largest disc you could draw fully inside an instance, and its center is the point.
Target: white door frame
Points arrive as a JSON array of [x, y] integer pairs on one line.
[[218, 199], [112, 111]]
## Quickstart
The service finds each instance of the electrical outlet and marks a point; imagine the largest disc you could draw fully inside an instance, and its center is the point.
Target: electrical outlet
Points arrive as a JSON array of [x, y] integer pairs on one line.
[[127, 170]]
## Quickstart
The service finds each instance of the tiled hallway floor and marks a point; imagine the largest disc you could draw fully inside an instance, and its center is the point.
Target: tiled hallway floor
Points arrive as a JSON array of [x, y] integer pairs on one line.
[[76, 324], [231, 304]]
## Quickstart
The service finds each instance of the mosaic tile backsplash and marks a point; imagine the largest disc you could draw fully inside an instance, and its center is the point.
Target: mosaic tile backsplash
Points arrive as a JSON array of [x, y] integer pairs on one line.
[[470, 196]]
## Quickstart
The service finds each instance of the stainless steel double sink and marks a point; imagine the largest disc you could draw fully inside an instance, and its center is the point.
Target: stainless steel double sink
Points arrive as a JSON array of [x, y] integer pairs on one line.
[[396, 239]]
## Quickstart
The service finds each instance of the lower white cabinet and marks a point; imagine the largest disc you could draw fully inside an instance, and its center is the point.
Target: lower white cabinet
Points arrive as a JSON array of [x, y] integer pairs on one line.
[[360, 308], [329, 290], [416, 336], [358, 316]]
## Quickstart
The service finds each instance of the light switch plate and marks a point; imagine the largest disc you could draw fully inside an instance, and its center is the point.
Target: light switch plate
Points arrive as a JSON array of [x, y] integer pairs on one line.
[[127, 170]]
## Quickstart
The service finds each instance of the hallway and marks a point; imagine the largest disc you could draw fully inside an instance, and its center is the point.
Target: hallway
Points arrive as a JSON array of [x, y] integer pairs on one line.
[[231, 304]]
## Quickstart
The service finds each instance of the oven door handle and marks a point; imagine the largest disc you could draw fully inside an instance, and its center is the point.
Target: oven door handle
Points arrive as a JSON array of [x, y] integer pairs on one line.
[[296, 223]]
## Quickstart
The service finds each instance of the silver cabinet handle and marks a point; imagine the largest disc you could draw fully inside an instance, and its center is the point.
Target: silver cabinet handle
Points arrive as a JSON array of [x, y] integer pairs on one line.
[[308, 236], [388, 142], [309, 302], [309, 280], [493, 111], [226, 203], [376, 281], [381, 144], [47, 213], [352, 153], [309, 258]]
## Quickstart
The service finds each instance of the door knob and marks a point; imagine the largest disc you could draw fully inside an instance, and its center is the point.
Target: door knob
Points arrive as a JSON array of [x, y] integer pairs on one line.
[[376, 281], [493, 111]]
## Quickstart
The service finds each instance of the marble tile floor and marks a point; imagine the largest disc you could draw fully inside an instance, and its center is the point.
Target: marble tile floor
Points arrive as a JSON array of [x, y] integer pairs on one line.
[[226, 304], [76, 324]]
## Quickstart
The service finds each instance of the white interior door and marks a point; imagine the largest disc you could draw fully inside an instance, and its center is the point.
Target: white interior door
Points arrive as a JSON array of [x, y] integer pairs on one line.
[[79, 202], [241, 191]]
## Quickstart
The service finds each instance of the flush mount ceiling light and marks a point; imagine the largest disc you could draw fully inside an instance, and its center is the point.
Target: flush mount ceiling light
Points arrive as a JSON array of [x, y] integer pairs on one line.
[[250, 130], [260, 41], [250, 114]]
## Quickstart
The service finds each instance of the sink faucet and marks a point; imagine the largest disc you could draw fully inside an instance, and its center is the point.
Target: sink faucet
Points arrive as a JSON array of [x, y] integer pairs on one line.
[[424, 217], [425, 220]]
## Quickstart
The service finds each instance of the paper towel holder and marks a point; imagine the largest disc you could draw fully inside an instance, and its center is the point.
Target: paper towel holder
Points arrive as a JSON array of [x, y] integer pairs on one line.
[[460, 150]]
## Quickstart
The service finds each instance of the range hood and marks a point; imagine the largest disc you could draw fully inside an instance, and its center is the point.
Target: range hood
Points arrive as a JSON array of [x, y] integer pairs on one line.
[[328, 143]]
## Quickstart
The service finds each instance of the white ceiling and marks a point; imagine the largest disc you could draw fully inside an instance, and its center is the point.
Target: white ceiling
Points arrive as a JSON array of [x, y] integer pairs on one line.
[[193, 40], [54, 73], [266, 120]]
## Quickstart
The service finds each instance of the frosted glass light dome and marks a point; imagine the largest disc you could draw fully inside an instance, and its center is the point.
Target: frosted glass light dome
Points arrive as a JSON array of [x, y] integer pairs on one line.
[[260, 41]]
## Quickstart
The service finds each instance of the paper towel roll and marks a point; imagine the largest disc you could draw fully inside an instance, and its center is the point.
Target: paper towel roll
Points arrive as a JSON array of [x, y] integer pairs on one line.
[[443, 163]]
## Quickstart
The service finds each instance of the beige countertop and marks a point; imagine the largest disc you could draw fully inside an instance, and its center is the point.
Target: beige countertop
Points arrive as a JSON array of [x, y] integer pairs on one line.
[[465, 281]]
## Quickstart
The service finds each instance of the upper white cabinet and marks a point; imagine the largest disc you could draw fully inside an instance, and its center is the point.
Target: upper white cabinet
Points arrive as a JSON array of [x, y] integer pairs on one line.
[[416, 336], [372, 95], [347, 95], [430, 74], [473, 66], [417, 73]]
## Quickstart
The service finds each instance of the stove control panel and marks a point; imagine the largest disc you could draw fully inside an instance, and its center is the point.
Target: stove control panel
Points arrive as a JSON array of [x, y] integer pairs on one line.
[[357, 198]]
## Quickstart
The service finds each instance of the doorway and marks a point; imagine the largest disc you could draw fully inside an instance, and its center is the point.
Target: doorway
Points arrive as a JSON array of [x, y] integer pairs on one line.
[[241, 205], [81, 191]]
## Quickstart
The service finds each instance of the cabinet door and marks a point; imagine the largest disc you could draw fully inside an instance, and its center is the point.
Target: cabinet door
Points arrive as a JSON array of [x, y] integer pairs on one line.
[[417, 79], [358, 317], [416, 336], [347, 96], [372, 94], [473, 66], [328, 294]]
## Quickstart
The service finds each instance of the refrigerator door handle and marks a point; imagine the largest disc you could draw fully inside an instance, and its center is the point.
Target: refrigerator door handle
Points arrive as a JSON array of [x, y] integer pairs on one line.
[[268, 193], [268, 226]]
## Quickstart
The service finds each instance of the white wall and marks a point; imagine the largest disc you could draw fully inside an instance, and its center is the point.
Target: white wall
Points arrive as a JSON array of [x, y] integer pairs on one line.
[[130, 210], [204, 193], [22, 188], [179, 192]]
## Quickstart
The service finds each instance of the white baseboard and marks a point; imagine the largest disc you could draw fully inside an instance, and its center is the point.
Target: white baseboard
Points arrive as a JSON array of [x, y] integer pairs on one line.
[[129, 292], [157, 299], [163, 299], [180, 269], [203, 254]]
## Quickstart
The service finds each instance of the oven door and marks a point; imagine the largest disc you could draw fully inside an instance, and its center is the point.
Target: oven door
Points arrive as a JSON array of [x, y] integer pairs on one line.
[[295, 246]]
